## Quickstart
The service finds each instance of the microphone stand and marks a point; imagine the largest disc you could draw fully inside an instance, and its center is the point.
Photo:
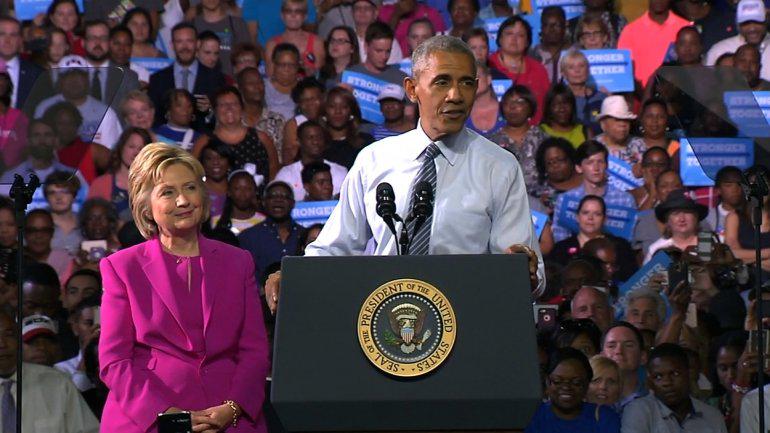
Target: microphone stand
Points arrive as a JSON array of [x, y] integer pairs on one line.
[[756, 189], [21, 193]]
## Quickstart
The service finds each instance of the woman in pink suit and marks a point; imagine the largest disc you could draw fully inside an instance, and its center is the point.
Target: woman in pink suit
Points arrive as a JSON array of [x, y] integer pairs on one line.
[[181, 319]]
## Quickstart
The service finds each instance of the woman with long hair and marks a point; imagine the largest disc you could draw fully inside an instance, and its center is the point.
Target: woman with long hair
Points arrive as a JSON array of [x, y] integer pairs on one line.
[[113, 185], [342, 117], [139, 22], [65, 15], [241, 207], [341, 52]]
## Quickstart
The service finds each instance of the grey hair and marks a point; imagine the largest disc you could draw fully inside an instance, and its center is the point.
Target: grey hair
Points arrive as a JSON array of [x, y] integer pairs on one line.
[[644, 292], [571, 54], [442, 43]]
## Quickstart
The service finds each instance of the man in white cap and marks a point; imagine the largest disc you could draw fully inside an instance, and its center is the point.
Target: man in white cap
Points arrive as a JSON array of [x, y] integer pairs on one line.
[[391, 99], [752, 29]]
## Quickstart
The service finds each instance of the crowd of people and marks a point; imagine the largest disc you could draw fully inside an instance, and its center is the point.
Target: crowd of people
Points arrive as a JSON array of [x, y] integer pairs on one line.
[[255, 96]]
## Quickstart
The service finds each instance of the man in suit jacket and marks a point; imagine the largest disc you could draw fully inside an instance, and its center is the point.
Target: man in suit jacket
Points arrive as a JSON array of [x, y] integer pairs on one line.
[[185, 73], [23, 74], [113, 88]]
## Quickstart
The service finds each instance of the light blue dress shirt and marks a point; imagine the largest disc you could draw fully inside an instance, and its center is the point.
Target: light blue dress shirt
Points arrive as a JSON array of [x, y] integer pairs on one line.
[[193, 68], [480, 207]]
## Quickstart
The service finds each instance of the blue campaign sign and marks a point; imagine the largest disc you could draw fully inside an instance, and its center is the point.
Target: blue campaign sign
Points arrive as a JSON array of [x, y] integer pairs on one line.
[[611, 69], [572, 8], [307, 213], [620, 221], [621, 175], [492, 24], [701, 158], [406, 66], [365, 89], [152, 64], [749, 111], [500, 86], [29, 9], [658, 264], [539, 220]]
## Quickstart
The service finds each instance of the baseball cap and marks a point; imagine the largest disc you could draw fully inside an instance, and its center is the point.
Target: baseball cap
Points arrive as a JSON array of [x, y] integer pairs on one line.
[[391, 91], [750, 10], [36, 325]]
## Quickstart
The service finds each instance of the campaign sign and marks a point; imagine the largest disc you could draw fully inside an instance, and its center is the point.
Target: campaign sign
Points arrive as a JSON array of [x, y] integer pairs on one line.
[[611, 69], [500, 86], [620, 221], [152, 64], [491, 25], [701, 158], [749, 111], [657, 265], [29, 9], [572, 8], [539, 220], [621, 176], [307, 213], [406, 66], [365, 89]]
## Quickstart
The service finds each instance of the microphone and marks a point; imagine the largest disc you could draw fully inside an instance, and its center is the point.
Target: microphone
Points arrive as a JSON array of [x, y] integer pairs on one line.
[[386, 207], [422, 204]]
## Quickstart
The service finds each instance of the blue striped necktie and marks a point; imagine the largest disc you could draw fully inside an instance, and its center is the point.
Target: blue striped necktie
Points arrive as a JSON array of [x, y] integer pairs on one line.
[[421, 240]]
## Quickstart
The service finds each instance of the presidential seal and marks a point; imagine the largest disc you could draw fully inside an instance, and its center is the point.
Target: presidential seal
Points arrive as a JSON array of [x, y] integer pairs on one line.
[[407, 328]]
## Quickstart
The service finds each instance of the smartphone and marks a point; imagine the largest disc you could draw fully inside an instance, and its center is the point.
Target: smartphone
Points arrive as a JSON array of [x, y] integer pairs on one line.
[[677, 272], [180, 422], [545, 316], [90, 245], [705, 245], [97, 315]]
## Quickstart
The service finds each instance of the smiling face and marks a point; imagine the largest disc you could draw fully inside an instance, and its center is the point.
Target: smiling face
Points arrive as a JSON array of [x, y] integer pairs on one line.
[[215, 165], [176, 201], [683, 223], [444, 90], [566, 386]]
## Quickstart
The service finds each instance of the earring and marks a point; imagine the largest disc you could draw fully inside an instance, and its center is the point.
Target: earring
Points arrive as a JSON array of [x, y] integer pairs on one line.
[[641, 129], [351, 117]]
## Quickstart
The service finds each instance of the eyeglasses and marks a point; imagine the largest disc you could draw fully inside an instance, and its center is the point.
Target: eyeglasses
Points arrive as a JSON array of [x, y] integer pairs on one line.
[[561, 382], [595, 34], [336, 41]]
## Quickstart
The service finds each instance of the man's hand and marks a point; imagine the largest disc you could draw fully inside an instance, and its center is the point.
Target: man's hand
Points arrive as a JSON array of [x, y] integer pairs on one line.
[[518, 248], [272, 290]]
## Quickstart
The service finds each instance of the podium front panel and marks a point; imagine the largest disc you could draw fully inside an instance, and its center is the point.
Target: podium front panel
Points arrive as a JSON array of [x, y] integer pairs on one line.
[[322, 380]]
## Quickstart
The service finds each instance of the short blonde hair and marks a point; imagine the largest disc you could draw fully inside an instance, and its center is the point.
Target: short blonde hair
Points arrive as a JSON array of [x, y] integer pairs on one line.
[[600, 363], [135, 95], [145, 172], [570, 55]]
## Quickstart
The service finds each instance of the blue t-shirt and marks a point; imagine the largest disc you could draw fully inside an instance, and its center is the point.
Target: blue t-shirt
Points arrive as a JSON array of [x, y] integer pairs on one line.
[[270, 11], [545, 421]]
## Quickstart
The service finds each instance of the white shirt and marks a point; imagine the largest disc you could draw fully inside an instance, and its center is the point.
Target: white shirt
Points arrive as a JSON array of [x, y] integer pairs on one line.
[[750, 410], [52, 404], [14, 69], [481, 202], [70, 368], [100, 123], [395, 51], [292, 174], [731, 45]]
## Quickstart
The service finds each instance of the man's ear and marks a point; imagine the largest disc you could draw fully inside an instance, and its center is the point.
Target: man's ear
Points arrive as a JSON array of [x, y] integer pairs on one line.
[[410, 87], [578, 169]]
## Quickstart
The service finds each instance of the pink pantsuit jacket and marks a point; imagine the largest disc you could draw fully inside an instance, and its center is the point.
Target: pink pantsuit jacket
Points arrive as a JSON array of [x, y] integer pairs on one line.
[[145, 356]]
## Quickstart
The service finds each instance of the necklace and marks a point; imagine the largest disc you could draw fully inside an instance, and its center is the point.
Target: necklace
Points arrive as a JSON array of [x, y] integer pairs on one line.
[[179, 260]]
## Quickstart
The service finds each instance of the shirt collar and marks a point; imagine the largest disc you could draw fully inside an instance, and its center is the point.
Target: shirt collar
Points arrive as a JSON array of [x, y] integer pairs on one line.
[[668, 413], [13, 63], [450, 146], [193, 68]]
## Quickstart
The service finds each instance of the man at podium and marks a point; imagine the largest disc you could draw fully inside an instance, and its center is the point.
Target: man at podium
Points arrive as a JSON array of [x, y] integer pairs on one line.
[[480, 204]]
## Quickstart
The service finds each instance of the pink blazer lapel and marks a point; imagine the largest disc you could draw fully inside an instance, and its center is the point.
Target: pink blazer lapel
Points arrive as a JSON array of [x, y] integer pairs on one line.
[[214, 274], [159, 276]]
